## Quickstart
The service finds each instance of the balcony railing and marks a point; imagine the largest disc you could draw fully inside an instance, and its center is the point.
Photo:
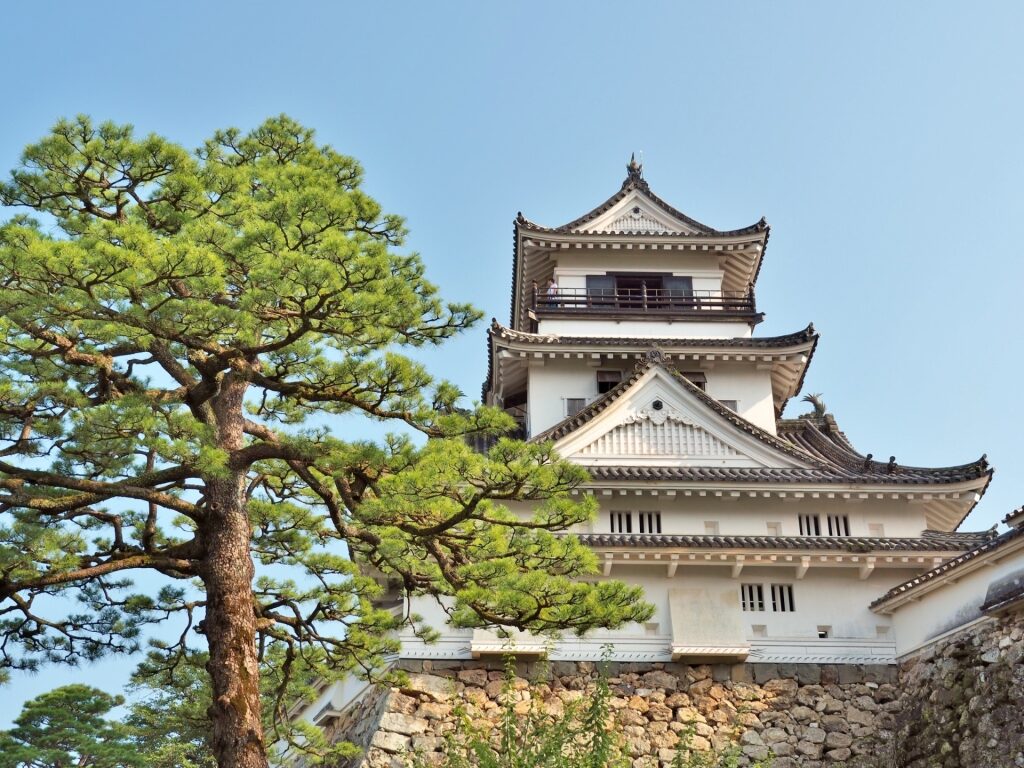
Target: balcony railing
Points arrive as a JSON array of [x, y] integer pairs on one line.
[[660, 300]]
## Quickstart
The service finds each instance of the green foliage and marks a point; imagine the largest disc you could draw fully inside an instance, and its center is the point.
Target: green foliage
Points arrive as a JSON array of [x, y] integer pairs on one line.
[[582, 733], [68, 727], [192, 320]]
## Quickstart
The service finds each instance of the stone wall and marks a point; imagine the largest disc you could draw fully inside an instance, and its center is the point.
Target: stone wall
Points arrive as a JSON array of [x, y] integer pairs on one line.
[[962, 700], [806, 715]]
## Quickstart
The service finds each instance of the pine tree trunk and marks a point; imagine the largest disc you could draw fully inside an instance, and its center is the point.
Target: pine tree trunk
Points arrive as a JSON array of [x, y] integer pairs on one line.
[[230, 623]]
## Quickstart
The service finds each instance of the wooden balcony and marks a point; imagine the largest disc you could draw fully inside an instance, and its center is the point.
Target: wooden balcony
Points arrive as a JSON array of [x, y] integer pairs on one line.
[[646, 301]]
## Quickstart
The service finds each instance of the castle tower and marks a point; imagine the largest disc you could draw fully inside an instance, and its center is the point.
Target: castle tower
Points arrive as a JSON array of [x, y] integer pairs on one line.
[[631, 346], [776, 555]]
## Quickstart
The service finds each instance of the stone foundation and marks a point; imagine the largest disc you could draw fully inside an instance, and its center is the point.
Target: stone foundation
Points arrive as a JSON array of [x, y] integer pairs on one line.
[[964, 700], [805, 714]]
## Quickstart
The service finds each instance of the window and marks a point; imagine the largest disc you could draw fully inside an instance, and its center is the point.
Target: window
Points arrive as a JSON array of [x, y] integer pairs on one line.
[[782, 598], [838, 525], [810, 525], [824, 632], [759, 630], [574, 405], [650, 522], [752, 597], [698, 379], [622, 522], [774, 529], [607, 380], [711, 527], [732, 405]]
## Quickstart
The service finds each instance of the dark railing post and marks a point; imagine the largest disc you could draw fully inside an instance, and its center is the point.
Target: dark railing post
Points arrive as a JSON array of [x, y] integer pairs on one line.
[[534, 307], [643, 292]]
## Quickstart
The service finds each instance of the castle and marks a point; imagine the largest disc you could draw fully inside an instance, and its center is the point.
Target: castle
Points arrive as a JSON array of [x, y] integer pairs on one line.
[[766, 544]]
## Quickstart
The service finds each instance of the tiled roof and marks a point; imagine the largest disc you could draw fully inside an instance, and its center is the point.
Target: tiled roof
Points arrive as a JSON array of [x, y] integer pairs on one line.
[[992, 544], [1015, 518], [929, 541], [765, 342], [758, 475], [807, 336], [635, 182], [817, 442], [821, 437]]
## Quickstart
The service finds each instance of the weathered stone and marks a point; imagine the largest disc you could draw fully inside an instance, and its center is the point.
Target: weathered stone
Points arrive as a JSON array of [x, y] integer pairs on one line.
[[404, 724], [434, 710], [436, 688], [476, 677], [658, 679], [390, 742]]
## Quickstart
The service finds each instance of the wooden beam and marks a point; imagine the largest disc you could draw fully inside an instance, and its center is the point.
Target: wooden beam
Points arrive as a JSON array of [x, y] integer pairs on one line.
[[867, 568], [737, 567], [805, 563]]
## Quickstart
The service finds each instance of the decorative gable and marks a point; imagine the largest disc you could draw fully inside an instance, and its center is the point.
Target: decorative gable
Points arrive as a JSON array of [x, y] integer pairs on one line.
[[659, 420], [636, 214], [660, 433]]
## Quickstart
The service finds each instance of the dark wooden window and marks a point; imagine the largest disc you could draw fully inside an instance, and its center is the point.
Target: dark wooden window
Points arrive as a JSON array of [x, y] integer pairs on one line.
[[574, 405], [607, 380]]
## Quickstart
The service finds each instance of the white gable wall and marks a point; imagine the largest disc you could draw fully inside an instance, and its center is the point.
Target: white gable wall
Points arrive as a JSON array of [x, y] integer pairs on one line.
[[549, 384]]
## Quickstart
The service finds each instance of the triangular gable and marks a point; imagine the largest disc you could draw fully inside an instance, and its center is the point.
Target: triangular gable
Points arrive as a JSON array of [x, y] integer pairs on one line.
[[660, 420], [637, 213]]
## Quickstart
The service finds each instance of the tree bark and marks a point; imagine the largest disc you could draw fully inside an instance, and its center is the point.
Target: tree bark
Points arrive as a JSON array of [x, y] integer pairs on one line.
[[230, 623]]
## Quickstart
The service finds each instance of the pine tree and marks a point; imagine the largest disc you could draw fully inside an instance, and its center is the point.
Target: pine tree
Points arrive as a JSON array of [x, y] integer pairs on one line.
[[67, 727], [185, 341]]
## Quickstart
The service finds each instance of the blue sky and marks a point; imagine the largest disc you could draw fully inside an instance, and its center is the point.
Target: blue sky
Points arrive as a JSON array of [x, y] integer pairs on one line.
[[882, 141]]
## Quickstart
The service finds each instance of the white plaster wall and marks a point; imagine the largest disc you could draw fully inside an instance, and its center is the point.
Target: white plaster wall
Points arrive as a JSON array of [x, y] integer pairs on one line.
[[655, 328], [752, 389], [549, 384], [949, 606], [598, 262], [744, 516], [835, 598]]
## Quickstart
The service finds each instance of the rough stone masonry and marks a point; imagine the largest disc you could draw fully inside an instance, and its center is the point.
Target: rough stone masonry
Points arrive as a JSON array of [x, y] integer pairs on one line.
[[955, 705]]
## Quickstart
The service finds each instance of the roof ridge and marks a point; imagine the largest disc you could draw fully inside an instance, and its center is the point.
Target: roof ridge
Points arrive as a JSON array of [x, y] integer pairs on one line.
[[639, 184], [804, 335], [858, 544]]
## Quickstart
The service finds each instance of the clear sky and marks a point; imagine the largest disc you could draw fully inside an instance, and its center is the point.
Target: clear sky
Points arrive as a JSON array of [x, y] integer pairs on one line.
[[882, 141]]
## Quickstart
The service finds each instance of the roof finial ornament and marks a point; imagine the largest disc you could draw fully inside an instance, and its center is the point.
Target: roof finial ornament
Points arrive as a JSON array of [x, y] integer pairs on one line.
[[635, 172]]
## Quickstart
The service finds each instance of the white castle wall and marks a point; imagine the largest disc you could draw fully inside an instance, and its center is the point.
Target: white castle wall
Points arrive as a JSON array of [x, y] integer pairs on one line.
[[951, 606], [554, 381], [825, 597]]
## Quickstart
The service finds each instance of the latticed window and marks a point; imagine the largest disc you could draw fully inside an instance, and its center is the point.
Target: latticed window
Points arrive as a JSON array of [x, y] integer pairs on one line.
[[650, 522], [810, 525], [782, 598], [752, 597], [622, 522], [838, 525]]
